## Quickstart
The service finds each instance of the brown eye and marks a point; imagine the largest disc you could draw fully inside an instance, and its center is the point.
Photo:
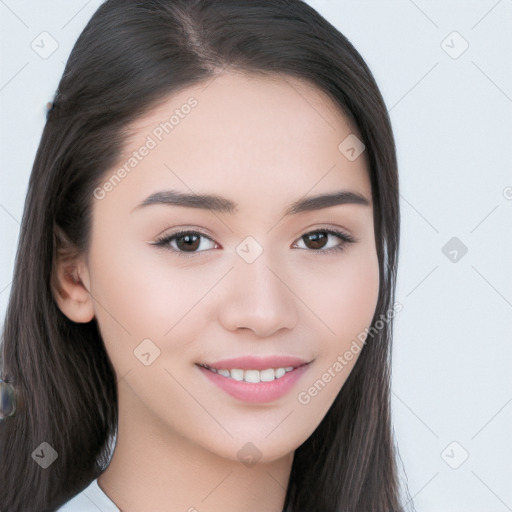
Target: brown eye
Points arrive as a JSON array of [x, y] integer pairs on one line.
[[188, 243], [315, 240], [318, 241], [185, 242]]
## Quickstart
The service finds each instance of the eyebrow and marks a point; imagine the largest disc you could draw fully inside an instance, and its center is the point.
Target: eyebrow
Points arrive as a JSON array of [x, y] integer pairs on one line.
[[220, 204]]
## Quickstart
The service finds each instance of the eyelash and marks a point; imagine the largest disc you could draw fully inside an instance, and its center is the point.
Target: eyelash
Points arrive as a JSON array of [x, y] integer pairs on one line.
[[163, 242]]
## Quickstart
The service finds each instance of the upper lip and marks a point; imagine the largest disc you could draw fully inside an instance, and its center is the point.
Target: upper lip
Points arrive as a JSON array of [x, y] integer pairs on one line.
[[257, 363]]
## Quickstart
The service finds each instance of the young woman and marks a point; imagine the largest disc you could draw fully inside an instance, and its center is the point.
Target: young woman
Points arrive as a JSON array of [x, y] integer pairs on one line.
[[200, 317]]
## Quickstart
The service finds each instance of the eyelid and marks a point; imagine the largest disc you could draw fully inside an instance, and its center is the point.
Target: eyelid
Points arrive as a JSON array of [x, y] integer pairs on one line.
[[344, 237], [164, 241]]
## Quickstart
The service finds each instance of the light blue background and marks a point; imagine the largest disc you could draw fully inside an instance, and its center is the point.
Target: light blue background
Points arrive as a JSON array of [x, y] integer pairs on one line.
[[452, 121]]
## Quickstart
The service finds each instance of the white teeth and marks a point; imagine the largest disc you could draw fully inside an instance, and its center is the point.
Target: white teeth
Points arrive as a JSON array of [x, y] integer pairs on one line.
[[254, 376], [267, 375], [280, 372], [237, 374]]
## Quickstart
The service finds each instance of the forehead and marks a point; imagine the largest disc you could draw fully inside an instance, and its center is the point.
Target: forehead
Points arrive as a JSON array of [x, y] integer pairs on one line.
[[264, 136]]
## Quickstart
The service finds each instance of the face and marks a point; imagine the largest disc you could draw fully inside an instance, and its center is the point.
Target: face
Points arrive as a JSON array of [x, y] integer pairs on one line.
[[255, 277]]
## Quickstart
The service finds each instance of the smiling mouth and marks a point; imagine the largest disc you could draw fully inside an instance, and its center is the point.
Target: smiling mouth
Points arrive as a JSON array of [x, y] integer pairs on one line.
[[253, 376]]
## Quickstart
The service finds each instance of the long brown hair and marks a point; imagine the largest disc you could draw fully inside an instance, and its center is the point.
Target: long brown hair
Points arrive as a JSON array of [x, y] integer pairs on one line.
[[131, 55]]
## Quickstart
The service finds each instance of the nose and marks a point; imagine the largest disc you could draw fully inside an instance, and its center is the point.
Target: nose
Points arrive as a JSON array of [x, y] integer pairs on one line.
[[258, 296]]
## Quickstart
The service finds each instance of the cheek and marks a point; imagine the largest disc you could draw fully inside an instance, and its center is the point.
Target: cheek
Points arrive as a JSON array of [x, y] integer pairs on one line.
[[140, 292], [345, 304], [345, 296]]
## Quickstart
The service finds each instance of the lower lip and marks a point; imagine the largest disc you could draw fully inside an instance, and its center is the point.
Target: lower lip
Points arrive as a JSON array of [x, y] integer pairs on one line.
[[260, 392]]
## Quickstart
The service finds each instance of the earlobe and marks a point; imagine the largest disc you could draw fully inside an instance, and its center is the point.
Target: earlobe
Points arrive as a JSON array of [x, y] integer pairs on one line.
[[71, 291]]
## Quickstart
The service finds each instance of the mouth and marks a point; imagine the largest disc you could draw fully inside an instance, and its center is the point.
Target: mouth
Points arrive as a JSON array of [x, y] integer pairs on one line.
[[252, 375], [256, 380]]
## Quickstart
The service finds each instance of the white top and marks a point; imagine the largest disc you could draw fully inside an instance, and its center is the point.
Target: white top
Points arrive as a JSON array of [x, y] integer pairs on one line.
[[91, 499]]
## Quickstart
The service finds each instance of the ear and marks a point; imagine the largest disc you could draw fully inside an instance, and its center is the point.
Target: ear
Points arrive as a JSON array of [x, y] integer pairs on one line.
[[71, 285]]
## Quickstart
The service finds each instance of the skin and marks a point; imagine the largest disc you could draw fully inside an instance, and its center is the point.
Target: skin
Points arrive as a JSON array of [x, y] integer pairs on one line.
[[262, 142]]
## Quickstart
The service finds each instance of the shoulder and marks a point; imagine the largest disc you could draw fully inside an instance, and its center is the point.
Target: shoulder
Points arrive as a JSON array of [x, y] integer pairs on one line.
[[91, 499]]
